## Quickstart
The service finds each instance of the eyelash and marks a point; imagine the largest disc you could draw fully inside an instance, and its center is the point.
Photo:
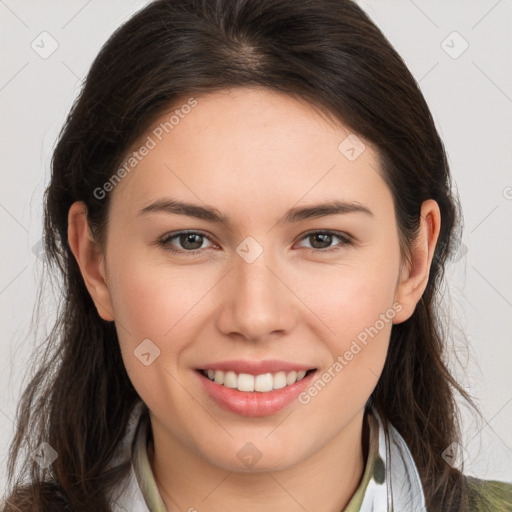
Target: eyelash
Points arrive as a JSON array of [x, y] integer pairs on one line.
[[165, 241]]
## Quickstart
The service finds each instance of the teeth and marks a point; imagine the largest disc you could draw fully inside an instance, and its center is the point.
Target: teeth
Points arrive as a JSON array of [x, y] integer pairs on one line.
[[279, 380], [291, 378], [264, 383], [245, 382], [261, 383], [230, 379]]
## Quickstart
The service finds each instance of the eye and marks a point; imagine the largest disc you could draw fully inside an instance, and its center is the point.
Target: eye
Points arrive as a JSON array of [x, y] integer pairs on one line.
[[321, 241], [187, 242], [191, 242]]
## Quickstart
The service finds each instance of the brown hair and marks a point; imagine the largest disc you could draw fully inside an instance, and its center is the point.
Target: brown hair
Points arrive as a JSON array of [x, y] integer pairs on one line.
[[327, 52]]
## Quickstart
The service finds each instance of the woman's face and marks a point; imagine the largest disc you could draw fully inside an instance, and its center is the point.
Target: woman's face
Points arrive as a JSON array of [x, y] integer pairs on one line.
[[256, 292]]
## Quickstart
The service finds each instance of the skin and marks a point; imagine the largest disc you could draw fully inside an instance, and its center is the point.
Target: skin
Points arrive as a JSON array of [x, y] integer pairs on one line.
[[253, 154]]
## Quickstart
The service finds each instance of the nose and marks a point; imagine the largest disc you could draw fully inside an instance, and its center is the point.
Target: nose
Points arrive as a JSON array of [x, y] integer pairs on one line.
[[256, 300]]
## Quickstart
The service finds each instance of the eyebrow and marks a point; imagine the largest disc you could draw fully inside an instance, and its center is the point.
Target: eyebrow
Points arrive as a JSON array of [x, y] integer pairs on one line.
[[296, 214]]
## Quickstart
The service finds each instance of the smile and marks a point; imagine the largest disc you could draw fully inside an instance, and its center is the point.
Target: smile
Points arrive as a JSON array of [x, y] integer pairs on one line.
[[258, 393], [262, 383]]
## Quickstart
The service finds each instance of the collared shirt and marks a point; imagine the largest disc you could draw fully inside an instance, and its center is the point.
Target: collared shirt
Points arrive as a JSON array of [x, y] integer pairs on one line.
[[390, 480]]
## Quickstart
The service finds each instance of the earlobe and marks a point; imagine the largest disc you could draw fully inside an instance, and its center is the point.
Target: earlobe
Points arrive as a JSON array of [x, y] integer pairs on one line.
[[90, 259], [414, 277]]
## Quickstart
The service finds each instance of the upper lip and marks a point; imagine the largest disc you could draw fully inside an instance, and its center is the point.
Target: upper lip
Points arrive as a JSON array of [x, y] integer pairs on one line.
[[256, 367]]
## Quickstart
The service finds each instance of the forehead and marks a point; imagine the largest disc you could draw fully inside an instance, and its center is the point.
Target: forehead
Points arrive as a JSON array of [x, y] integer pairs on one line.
[[248, 147]]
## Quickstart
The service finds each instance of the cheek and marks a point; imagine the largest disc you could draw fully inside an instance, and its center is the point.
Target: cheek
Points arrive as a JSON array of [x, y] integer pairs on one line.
[[362, 321], [360, 314], [150, 299], [162, 304], [149, 314], [359, 308], [150, 306], [351, 297], [356, 303]]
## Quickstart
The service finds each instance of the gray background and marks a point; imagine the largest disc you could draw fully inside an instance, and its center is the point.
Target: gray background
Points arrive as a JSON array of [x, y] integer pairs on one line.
[[470, 95]]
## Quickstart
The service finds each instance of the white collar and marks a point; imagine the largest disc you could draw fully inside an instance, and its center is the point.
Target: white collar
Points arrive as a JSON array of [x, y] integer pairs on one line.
[[399, 491]]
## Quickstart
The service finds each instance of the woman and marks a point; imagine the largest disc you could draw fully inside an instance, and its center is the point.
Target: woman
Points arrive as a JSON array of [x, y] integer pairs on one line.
[[251, 209]]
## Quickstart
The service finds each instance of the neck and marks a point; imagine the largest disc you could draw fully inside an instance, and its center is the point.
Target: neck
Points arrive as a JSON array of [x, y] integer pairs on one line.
[[326, 480]]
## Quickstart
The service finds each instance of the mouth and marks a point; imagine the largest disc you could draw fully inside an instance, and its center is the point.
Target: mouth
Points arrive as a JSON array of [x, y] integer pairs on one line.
[[261, 383], [255, 389]]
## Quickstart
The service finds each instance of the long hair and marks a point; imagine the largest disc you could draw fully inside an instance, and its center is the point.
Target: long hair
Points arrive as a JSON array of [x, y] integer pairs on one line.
[[327, 52]]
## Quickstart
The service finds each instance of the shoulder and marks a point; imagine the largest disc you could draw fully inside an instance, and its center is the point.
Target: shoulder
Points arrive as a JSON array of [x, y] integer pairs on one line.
[[489, 495]]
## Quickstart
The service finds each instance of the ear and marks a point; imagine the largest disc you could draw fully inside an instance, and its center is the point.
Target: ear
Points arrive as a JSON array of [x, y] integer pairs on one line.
[[89, 259], [414, 275]]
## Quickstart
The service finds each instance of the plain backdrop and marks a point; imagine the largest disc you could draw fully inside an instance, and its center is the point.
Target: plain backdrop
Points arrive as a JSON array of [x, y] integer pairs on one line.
[[460, 52]]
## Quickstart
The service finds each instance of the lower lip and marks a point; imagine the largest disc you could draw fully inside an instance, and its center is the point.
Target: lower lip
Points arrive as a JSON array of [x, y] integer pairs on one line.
[[254, 403]]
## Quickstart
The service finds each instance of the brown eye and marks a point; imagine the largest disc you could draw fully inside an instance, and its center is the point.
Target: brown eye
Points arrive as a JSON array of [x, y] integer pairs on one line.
[[190, 241], [186, 242], [322, 241]]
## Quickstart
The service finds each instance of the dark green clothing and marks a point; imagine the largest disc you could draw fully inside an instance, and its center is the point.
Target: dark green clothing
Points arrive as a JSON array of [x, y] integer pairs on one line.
[[489, 495]]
